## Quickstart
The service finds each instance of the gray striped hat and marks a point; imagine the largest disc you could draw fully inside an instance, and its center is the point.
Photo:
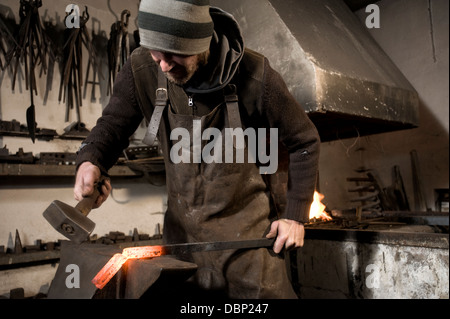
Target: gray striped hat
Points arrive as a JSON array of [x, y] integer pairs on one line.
[[176, 26]]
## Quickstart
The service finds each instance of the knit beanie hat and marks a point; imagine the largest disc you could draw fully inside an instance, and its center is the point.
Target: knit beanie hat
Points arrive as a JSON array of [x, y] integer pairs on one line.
[[175, 26]]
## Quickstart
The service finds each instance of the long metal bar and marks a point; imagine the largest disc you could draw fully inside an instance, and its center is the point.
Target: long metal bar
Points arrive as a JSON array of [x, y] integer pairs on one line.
[[180, 249]]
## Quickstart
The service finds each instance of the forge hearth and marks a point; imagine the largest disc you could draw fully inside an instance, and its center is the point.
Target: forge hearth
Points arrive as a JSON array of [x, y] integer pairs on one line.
[[400, 255]]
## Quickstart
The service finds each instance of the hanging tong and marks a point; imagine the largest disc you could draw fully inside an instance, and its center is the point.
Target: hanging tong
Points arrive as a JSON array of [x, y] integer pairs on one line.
[[71, 80], [118, 47], [32, 48]]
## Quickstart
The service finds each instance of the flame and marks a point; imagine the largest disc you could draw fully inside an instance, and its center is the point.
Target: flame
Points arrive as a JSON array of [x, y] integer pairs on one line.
[[317, 209], [115, 263]]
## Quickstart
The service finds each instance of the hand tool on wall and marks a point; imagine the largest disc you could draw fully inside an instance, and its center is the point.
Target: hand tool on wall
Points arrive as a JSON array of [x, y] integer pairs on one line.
[[71, 79], [33, 47], [72, 222], [396, 191], [2, 39], [31, 110], [99, 39], [118, 47], [420, 198], [93, 82], [6, 40]]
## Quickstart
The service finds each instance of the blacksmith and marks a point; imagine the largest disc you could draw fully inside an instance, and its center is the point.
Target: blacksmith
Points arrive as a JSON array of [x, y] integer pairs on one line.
[[196, 54]]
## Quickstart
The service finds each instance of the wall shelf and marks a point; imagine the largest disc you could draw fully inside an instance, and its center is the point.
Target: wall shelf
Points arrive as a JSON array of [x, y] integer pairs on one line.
[[7, 169]]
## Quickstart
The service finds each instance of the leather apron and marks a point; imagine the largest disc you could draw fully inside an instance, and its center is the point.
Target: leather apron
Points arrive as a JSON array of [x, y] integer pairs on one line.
[[219, 202]]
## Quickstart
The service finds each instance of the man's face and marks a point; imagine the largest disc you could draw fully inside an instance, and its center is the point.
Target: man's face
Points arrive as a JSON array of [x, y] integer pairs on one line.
[[179, 69]]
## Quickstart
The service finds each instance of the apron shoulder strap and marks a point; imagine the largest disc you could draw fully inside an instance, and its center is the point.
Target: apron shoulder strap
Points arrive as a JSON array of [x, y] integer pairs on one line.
[[234, 117], [161, 101]]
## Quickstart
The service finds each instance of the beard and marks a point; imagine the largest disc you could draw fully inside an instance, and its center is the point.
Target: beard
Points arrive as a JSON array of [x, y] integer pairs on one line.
[[181, 74]]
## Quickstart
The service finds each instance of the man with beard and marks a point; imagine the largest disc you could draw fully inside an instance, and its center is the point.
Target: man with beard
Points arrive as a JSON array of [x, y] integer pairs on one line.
[[192, 66]]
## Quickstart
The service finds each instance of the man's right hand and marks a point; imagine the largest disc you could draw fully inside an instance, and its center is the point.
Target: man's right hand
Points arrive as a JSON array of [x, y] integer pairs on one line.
[[88, 175]]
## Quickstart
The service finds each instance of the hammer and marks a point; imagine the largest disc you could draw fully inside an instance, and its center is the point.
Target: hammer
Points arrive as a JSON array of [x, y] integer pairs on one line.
[[72, 222]]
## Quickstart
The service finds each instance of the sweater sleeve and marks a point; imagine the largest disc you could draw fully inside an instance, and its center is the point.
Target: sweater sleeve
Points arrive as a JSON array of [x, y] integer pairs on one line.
[[299, 135], [118, 122]]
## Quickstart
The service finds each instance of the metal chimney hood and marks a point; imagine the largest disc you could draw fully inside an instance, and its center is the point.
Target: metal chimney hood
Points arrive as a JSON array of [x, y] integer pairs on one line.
[[331, 64]]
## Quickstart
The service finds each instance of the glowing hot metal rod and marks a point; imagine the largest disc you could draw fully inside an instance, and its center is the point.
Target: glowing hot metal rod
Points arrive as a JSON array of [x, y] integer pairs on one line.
[[115, 263]]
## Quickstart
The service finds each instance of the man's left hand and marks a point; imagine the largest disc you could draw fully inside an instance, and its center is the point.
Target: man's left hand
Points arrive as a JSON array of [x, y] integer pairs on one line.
[[290, 234]]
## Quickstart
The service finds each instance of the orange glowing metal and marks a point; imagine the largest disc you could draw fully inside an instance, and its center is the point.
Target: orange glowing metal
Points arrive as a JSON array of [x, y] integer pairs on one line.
[[109, 270], [116, 262], [142, 252]]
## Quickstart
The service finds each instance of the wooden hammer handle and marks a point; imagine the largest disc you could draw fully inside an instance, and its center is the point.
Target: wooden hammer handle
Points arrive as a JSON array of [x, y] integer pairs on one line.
[[86, 204]]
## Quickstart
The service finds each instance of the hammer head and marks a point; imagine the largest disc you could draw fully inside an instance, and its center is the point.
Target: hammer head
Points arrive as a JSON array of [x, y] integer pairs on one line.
[[69, 221]]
